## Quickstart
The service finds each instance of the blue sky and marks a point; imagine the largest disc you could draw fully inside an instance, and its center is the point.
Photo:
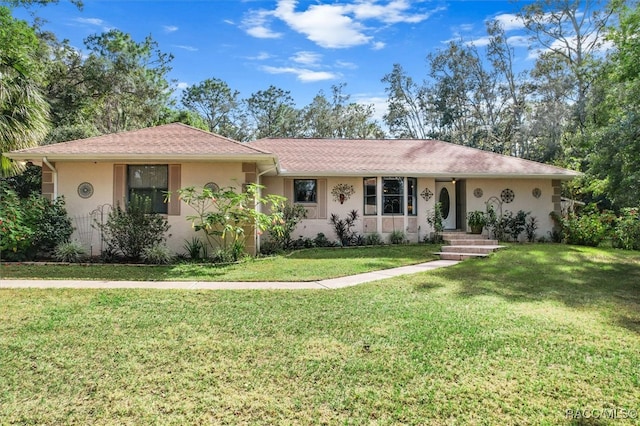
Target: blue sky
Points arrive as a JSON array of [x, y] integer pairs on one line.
[[299, 46]]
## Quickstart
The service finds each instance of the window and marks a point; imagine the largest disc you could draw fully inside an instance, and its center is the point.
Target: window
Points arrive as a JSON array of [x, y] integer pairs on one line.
[[370, 198], [150, 181], [412, 196], [305, 190], [392, 195]]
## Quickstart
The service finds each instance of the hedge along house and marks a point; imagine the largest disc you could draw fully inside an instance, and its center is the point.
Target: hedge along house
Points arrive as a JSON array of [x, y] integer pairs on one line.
[[393, 184]]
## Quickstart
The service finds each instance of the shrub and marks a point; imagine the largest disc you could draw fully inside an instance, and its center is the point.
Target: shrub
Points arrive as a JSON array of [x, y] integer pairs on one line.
[[321, 240], [344, 227], [71, 251], [31, 227], [626, 232], [128, 232], [373, 240], [224, 214], [397, 237], [516, 224], [587, 229], [530, 228], [195, 249], [284, 221], [157, 254], [434, 218]]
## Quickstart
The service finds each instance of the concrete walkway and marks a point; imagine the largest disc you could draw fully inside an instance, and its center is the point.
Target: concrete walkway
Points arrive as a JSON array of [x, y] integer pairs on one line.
[[329, 284]]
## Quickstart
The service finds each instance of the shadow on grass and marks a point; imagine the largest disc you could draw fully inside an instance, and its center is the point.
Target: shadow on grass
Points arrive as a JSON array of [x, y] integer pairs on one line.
[[578, 277], [422, 252]]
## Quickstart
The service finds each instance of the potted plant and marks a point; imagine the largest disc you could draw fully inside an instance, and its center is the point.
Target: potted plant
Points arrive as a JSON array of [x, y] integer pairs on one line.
[[477, 220]]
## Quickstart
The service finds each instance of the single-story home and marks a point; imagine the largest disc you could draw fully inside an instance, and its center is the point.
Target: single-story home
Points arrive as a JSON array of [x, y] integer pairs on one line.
[[393, 184]]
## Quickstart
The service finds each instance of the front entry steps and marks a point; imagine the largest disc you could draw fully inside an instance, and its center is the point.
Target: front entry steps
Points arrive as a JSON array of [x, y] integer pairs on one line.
[[461, 246]]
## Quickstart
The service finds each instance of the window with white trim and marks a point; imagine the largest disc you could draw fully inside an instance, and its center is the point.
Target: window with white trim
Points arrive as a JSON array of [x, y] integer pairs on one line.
[[370, 196]]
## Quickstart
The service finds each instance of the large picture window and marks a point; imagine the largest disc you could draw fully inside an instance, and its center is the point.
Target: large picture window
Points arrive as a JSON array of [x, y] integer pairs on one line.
[[370, 196], [305, 190], [150, 181], [393, 195]]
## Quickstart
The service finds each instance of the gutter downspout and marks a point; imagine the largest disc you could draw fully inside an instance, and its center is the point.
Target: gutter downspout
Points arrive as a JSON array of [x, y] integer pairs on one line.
[[259, 206], [55, 177]]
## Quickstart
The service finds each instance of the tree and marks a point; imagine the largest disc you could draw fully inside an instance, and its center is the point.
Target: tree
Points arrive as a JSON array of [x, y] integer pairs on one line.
[[274, 113], [24, 111], [406, 115], [335, 118], [615, 132], [220, 106], [573, 31], [127, 79]]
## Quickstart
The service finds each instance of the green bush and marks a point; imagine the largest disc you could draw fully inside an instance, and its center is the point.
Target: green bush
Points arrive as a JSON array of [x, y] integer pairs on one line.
[[284, 221], [128, 232], [587, 229], [344, 228], [71, 251], [626, 232], [31, 227], [157, 254], [373, 240], [397, 237]]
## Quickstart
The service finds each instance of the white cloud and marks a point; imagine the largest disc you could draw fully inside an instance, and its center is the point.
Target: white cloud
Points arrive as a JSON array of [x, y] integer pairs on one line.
[[479, 42], [260, 56], [95, 22], [327, 25], [184, 47], [336, 25], [378, 45], [90, 21], [302, 74], [346, 64], [379, 103], [256, 25], [306, 58], [170, 28], [509, 21], [182, 85]]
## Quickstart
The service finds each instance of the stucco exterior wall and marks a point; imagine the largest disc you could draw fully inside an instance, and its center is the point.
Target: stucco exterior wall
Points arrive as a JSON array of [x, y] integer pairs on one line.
[[101, 177], [523, 198], [414, 227]]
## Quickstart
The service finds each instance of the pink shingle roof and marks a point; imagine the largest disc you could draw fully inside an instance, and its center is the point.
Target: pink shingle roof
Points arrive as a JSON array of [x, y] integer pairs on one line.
[[174, 139], [395, 156]]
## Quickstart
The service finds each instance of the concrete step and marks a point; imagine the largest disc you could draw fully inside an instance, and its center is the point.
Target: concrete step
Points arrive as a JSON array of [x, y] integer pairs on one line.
[[472, 242], [459, 256], [480, 249], [463, 236]]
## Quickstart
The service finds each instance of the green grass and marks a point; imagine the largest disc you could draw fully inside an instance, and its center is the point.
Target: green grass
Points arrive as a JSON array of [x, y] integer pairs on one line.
[[303, 265], [518, 338]]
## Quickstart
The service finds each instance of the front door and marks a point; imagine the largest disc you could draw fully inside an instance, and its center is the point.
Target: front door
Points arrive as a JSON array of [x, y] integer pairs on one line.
[[446, 196]]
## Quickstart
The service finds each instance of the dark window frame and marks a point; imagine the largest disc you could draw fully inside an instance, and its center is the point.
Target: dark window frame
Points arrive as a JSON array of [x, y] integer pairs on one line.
[[310, 194], [367, 196]]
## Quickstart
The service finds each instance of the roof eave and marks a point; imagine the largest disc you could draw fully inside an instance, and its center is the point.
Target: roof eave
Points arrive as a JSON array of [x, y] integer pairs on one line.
[[140, 157], [449, 175]]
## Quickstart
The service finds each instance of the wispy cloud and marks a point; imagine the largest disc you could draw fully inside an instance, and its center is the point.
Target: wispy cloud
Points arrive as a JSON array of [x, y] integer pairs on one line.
[[182, 85], [93, 22], [337, 25], [184, 47], [169, 28], [256, 23], [307, 58], [302, 74]]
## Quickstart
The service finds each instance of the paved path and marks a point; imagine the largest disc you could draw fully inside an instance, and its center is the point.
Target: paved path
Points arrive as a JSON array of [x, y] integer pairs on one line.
[[332, 283]]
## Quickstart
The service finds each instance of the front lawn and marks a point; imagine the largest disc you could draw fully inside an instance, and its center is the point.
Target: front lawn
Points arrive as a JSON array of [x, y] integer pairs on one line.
[[302, 265], [531, 335]]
